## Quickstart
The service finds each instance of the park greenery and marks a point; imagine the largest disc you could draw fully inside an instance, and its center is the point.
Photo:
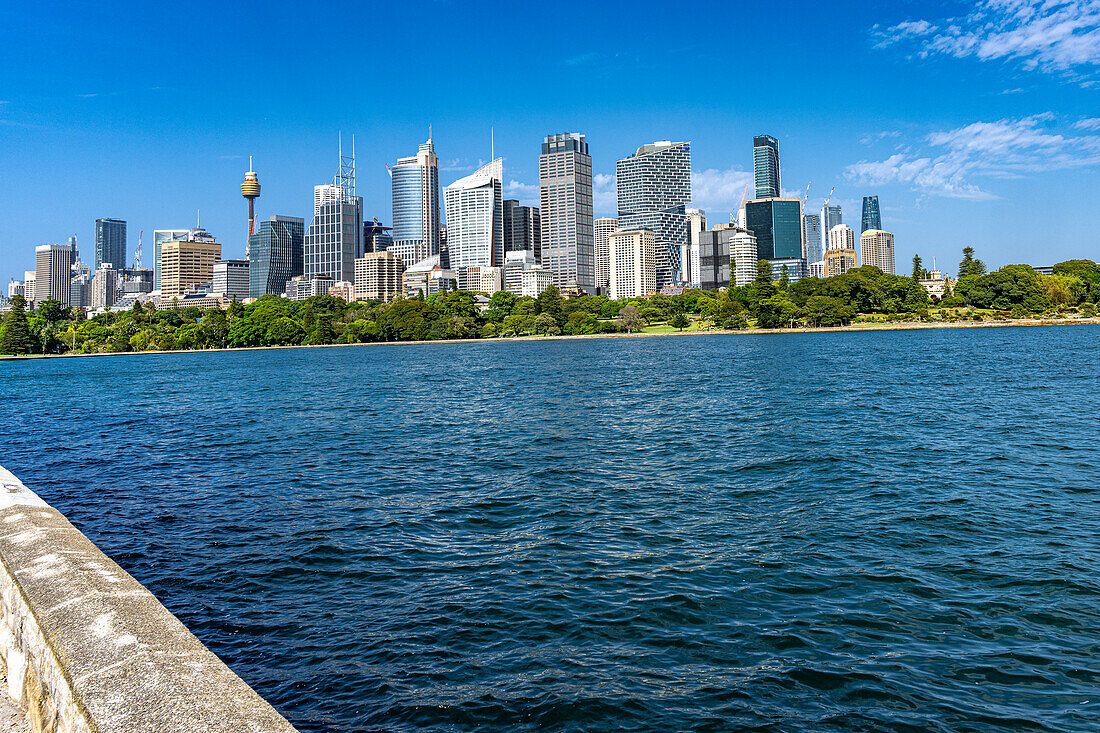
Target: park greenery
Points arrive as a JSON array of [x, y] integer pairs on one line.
[[862, 294]]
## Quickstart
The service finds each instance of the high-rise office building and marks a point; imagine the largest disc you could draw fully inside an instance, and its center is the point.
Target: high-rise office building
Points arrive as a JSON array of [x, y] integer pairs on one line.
[[230, 278], [842, 237], [160, 236], [30, 282], [743, 257], [334, 239], [110, 243], [475, 218], [872, 219], [765, 163], [777, 225], [633, 263], [689, 257], [713, 252], [654, 188], [186, 264], [378, 276], [831, 216], [104, 287], [522, 228], [275, 255], [415, 182], [565, 201], [602, 228], [52, 272], [811, 238], [876, 248]]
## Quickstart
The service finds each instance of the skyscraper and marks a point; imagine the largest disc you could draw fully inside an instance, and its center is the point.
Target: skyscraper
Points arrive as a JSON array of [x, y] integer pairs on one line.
[[565, 200], [475, 218], [811, 238], [876, 248], [335, 236], [777, 225], [377, 238], [654, 188], [602, 228], [187, 263], [830, 217], [871, 217], [415, 182], [690, 254], [52, 272], [842, 237], [110, 243], [522, 228], [633, 263], [275, 255], [765, 163]]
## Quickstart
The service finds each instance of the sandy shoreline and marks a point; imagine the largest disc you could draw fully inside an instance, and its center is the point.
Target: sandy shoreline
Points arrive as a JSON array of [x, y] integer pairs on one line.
[[911, 326]]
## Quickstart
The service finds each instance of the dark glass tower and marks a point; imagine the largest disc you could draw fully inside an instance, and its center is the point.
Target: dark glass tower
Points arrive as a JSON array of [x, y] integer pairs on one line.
[[871, 217], [765, 163], [110, 243], [522, 228], [275, 255], [777, 225]]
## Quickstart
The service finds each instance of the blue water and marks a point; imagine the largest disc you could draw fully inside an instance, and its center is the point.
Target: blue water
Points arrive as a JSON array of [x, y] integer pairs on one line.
[[810, 532]]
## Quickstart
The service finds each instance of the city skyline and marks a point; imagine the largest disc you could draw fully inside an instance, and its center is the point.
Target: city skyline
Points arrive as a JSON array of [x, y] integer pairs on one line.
[[948, 174]]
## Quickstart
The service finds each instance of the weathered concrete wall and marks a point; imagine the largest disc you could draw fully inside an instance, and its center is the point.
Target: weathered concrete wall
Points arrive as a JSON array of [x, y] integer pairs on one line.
[[85, 648]]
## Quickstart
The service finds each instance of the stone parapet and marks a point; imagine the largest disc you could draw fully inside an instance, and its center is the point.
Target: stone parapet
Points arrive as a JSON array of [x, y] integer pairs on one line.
[[85, 648]]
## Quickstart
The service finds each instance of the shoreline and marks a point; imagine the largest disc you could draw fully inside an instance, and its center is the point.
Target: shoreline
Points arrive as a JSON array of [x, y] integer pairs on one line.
[[903, 326]]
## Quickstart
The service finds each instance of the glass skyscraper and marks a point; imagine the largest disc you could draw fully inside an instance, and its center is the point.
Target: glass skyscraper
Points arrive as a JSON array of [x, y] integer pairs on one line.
[[777, 225], [654, 189], [522, 229], [831, 216], [275, 255], [871, 217], [765, 163], [565, 200], [415, 185], [110, 243], [335, 236]]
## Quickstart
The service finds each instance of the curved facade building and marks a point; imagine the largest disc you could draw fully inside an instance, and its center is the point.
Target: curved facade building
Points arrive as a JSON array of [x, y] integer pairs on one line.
[[475, 218], [415, 184], [275, 255]]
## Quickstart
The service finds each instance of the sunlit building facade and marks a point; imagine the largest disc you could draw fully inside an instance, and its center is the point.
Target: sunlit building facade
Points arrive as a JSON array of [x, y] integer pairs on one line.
[[565, 202]]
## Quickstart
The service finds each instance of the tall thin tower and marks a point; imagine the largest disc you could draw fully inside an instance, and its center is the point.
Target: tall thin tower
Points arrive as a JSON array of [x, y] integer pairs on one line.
[[250, 189]]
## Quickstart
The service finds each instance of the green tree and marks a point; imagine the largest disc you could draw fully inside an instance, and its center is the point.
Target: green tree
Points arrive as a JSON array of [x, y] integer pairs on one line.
[[679, 321], [284, 332], [550, 301], [776, 312], [970, 265], [16, 336], [546, 325], [918, 268], [629, 319], [784, 278], [763, 273]]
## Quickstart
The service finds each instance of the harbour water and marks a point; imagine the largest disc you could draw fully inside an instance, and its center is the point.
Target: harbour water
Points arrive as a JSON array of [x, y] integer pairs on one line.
[[806, 532]]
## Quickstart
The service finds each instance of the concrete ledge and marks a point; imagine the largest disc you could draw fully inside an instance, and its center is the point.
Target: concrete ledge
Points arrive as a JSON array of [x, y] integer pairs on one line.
[[85, 648]]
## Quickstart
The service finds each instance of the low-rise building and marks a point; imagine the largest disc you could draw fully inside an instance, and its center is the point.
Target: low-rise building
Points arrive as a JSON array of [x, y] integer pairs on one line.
[[428, 277], [795, 268], [838, 260], [936, 284], [480, 279], [297, 288], [515, 263], [343, 289], [534, 280]]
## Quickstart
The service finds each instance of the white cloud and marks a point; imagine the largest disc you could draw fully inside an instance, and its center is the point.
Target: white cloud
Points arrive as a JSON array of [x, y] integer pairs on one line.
[[1090, 123], [1048, 35], [719, 191], [522, 191], [1001, 149], [605, 200]]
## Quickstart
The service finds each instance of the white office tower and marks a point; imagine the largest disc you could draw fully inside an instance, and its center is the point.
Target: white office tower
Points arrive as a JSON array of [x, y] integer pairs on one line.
[[633, 264], [743, 257], [654, 188], [515, 264], [811, 238], [334, 239], [603, 227], [415, 182], [876, 248], [475, 218], [831, 216], [842, 237], [689, 258], [565, 201], [53, 272]]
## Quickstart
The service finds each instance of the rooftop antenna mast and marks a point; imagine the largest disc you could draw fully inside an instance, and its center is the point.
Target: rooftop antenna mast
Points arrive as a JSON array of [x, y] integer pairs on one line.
[[492, 145], [345, 176]]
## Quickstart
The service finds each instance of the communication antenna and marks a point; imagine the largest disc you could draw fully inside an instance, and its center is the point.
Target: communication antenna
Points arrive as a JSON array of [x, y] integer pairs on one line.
[[492, 145]]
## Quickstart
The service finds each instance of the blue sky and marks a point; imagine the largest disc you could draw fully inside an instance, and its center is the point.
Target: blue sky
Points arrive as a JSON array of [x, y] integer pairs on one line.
[[974, 124]]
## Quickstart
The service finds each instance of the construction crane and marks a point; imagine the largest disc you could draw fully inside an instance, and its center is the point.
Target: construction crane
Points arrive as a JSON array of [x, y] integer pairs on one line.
[[829, 197], [744, 193], [137, 254], [806, 196]]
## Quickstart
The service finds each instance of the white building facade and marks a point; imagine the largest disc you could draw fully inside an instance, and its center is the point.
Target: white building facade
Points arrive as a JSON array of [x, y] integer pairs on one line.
[[633, 264]]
